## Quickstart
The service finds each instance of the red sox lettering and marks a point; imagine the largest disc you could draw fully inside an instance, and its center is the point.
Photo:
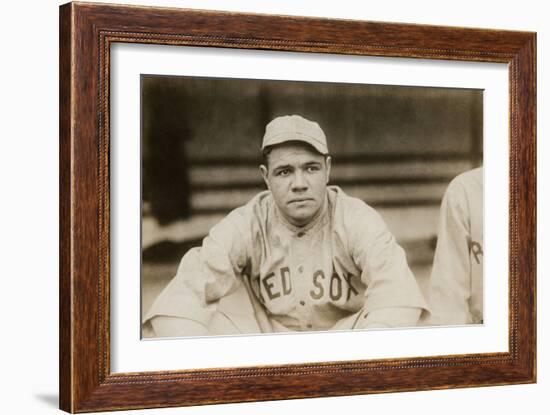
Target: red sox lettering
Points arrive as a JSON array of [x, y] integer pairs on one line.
[[337, 287], [270, 287]]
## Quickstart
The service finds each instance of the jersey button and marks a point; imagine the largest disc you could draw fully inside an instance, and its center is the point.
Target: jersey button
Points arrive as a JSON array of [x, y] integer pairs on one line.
[[309, 326], [300, 234], [301, 268], [302, 302]]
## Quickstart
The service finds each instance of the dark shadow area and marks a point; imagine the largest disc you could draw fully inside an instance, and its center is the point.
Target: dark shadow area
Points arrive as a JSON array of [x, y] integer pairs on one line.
[[168, 251], [49, 399]]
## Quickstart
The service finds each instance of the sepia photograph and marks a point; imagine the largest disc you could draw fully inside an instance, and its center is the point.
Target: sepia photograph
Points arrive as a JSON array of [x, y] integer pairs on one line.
[[284, 206], [260, 207]]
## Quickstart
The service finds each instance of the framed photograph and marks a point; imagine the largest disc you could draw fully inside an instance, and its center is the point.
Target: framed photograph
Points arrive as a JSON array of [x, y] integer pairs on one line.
[[259, 207]]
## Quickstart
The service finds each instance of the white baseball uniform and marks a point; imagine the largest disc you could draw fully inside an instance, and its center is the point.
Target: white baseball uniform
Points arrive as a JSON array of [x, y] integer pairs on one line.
[[341, 266], [456, 286]]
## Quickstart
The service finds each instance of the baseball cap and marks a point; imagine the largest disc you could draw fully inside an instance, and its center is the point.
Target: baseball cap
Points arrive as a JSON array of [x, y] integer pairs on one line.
[[295, 128]]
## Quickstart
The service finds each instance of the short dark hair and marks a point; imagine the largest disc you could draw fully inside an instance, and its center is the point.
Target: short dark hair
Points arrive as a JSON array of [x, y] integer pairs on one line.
[[265, 155]]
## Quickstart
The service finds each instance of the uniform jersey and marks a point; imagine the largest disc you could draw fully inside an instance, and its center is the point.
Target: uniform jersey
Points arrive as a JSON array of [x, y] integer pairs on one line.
[[456, 294], [342, 263]]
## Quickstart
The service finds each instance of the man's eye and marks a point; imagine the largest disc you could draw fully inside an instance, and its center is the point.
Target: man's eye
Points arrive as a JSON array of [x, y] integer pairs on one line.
[[284, 172], [312, 169]]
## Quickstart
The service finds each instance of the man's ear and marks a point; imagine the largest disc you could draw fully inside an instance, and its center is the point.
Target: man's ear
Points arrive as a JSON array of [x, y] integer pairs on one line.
[[264, 172], [328, 162]]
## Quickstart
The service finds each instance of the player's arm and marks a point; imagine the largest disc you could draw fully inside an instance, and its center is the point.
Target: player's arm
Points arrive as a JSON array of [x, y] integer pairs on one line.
[[389, 317], [169, 326], [393, 297], [450, 277], [189, 302]]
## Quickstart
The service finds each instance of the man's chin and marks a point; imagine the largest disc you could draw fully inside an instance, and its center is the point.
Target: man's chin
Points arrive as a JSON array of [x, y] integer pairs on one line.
[[301, 219]]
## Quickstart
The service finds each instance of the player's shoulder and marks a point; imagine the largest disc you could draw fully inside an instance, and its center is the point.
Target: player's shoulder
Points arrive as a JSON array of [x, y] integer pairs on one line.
[[470, 176], [355, 222], [255, 210], [466, 182], [349, 207]]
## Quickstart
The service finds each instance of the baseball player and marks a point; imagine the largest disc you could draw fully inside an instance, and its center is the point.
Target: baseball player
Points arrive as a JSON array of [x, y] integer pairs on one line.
[[299, 256], [456, 286]]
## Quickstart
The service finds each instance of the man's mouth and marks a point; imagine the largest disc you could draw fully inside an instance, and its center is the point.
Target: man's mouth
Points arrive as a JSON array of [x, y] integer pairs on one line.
[[300, 200]]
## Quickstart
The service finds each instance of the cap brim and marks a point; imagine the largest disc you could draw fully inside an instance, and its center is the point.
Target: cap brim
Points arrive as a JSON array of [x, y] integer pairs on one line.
[[286, 137]]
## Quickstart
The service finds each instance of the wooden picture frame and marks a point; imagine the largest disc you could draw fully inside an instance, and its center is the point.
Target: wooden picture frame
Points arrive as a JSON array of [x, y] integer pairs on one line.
[[86, 33]]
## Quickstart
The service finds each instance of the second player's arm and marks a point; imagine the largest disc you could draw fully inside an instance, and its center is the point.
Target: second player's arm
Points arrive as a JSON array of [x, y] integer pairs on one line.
[[450, 277]]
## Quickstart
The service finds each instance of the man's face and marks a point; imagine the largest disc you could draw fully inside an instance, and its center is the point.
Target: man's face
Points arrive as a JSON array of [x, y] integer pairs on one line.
[[297, 176]]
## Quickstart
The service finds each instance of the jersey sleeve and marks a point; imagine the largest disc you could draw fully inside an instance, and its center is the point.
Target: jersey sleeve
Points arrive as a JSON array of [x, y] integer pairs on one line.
[[205, 274], [450, 277], [383, 264]]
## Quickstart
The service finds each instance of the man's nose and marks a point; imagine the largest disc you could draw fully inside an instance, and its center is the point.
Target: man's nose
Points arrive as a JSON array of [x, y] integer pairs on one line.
[[299, 183]]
